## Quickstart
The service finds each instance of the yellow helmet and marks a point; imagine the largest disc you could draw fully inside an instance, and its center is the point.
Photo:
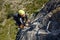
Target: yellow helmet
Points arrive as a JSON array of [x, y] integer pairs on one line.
[[21, 12]]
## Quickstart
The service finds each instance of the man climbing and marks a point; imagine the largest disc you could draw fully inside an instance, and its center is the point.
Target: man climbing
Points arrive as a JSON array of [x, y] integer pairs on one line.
[[21, 19]]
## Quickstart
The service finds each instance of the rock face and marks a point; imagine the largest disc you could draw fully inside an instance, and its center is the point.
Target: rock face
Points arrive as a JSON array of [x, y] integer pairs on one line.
[[45, 30]]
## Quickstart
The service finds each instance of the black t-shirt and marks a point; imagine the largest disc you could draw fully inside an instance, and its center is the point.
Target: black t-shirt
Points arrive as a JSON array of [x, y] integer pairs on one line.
[[20, 20]]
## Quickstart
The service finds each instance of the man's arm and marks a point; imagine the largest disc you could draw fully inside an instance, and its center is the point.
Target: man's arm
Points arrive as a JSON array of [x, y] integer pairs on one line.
[[22, 23]]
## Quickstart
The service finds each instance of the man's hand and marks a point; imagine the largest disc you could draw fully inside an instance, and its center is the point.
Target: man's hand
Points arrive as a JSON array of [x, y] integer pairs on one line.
[[27, 25], [21, 26], [28, 21]]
